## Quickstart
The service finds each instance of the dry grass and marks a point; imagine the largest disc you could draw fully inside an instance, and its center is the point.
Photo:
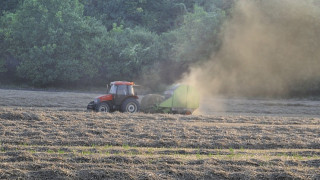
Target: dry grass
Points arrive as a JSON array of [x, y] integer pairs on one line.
[[61, 142]]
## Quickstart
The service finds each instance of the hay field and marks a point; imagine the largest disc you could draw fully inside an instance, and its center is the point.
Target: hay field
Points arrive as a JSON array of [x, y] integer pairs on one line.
[[50, 135]]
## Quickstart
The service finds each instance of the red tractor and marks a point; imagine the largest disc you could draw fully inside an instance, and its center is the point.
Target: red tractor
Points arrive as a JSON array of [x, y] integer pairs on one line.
[[121, 97]]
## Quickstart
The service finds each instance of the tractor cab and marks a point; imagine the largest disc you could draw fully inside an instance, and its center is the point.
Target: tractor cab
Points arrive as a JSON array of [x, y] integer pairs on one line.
[[120, 90], [121, 96]]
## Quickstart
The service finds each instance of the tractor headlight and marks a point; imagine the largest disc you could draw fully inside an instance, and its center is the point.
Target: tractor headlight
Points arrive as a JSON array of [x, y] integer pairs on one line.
[[96, 101]]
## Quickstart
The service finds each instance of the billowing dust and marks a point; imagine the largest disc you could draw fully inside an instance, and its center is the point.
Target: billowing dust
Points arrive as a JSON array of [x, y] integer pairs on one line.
[[269, 48]]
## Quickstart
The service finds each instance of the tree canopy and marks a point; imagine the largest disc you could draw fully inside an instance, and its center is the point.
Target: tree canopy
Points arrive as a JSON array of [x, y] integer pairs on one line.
[[50, 43], [63, 42]]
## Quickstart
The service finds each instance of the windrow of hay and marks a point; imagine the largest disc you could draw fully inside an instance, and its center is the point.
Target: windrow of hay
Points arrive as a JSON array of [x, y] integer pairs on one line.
[[66, 142], [59, 162], [156, 130]]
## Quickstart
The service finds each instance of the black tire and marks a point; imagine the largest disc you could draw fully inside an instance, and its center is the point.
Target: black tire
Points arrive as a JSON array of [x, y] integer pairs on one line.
[[130, 105], [103, 107]]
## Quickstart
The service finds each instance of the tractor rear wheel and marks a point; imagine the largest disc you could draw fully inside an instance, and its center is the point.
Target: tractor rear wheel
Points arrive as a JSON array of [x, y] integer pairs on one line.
[[103, 107], [130, 105]]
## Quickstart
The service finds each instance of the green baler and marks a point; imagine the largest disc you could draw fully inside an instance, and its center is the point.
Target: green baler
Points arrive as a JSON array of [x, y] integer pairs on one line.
[[182, 99]]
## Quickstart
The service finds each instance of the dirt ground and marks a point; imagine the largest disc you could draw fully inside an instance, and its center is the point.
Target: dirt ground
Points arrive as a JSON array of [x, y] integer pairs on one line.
[[50, 135]]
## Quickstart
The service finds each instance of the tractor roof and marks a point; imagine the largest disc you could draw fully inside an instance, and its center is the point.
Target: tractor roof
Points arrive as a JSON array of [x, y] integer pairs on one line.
[[122, 83]]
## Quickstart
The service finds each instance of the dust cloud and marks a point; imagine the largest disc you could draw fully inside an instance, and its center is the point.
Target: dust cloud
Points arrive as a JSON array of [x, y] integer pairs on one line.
[[270, 48]]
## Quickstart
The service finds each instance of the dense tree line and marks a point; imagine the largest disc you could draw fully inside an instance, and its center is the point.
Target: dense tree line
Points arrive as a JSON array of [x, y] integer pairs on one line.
[[65, 42], [49, 43]]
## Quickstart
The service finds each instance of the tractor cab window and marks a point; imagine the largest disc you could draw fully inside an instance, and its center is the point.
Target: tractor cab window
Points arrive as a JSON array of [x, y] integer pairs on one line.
[[122, 90], [113, 89], [131, 90]]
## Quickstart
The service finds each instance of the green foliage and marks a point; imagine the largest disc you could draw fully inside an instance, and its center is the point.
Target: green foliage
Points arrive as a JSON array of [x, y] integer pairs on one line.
[[2, 52], [9, 5], [115, 11], [157, 16], [211, 5], [198, 37], [59, 42], [53, 41], [50, 151], [128, 53], [194, 41], [125, 146], [163, 16], [2, 66]]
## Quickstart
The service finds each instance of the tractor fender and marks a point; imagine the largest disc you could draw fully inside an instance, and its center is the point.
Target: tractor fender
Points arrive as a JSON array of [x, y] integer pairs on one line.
[[134, 97]]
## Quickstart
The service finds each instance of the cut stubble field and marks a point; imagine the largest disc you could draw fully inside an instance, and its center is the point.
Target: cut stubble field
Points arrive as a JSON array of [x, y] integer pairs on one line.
[[50, 135]]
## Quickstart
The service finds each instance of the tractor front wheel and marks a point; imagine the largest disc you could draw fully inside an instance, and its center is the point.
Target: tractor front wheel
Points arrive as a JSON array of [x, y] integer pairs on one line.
[[103, 107], [130, 105]]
